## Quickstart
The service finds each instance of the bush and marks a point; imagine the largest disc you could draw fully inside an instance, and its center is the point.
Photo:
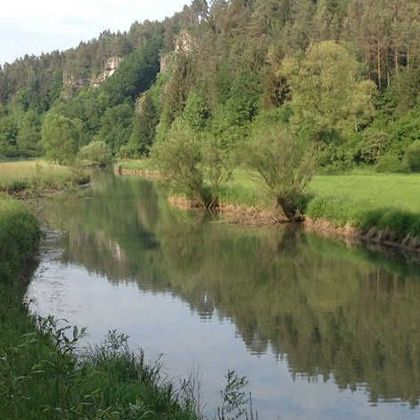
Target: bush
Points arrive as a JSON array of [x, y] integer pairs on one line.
[[285, 163], [95, 154], [390, 163], [412, 156], [178, 158]]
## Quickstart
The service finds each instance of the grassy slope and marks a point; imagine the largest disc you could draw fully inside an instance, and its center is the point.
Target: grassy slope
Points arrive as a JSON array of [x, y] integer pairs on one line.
[[363, 198], [40, 378]]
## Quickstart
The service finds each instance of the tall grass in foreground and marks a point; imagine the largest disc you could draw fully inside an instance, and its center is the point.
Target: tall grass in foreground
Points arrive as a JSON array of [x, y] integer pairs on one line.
[[26, 177], [19, 236]]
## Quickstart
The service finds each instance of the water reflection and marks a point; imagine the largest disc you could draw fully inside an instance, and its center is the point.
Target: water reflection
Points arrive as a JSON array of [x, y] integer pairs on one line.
[[347, 316]]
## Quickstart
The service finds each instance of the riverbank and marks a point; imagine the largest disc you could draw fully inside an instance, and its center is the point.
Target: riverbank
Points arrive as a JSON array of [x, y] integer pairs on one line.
[[136, 167], [360, 206], [42, 375], [37, 178]]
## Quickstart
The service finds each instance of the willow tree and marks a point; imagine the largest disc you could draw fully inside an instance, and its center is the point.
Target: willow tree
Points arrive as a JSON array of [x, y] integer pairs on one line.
[[286, 165]]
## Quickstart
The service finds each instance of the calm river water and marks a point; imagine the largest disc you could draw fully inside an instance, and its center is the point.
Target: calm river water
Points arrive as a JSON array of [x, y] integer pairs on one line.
[[321, 331]]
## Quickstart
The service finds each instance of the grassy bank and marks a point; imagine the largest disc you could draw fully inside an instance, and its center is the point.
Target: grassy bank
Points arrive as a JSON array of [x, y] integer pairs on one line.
[[32, 177], [40, 375], [369, 201], [363, 199]]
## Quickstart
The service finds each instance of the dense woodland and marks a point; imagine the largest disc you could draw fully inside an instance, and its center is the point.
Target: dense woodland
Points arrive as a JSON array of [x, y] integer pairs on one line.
[[338, 79]]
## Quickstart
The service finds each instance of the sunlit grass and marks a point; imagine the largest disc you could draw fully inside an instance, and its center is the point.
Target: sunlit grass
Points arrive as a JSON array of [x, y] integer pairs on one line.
[[136, 164], [29, 168], [372, 189], [37, 175]]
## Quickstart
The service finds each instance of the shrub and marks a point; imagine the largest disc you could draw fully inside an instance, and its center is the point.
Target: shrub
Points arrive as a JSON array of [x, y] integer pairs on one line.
[[390, 163], [178, 158], [95, 154], [286, 165], [412, 156]]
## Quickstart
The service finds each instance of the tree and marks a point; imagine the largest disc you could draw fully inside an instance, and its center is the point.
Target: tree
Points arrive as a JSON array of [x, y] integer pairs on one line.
[[116, 127], [196, 112], [179, 160], [60, 138], [29, 136], [94, 154], [8, 137], [328, 93], [145, 120], [285, 164]]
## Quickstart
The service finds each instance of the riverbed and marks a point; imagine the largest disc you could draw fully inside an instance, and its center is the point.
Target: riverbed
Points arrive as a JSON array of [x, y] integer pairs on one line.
[[320, 329]]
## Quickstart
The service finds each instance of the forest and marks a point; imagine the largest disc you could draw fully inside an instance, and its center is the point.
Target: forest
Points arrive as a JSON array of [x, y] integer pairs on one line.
[[284, 87]]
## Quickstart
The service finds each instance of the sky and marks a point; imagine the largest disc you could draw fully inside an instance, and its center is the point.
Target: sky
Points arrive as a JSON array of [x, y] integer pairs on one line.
[[37, 26]]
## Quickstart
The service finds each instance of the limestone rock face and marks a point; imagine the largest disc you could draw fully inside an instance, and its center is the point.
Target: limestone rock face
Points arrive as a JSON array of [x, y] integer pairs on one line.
[[184, 43], [165, 63], [110, 67]]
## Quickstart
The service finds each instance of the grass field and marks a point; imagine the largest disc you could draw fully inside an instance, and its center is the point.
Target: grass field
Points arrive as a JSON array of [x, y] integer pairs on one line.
[[372, 189], [36, 175]]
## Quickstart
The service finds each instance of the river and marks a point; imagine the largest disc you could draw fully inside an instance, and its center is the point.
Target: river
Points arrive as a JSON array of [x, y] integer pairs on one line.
[[320, 329]]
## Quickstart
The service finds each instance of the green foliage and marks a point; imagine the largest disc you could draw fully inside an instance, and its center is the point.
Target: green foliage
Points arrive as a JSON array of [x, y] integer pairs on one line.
[[217, 166], [371, 145], [94, 154], [286, 165], [19, 236], [145, 120], [116, 126], [8, 137], [196, 112], [60, 138], [29, 135], [135, 74], [235, 399], [179, 159], [390, 163], [327, 91], [243, 102], [177, 90], [405, 131], [412, 156]]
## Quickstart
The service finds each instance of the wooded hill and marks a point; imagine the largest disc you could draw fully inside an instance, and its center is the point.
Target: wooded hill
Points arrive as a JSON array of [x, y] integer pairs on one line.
[[343, 73]]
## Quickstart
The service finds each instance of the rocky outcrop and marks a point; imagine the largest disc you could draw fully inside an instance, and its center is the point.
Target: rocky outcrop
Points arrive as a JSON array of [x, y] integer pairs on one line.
[[165, 63], [110, 67], [184, 43]]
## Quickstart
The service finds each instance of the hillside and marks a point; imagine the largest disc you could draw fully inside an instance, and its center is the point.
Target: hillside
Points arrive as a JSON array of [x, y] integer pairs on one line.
[[344, 74]]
